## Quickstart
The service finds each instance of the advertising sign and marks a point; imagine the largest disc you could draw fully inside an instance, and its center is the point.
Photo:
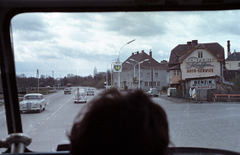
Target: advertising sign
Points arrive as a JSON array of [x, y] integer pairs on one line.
[[117, 67], [193, 93], [203, 84], [196, 65]]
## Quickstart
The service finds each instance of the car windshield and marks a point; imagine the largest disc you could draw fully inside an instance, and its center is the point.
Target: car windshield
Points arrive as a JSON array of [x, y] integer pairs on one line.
[[195, 52], [32, 97]]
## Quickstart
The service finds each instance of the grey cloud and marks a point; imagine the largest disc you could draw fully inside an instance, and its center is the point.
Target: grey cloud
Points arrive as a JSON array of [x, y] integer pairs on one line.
[[132, 25], [31, 27], [219, 23], [29, 22]]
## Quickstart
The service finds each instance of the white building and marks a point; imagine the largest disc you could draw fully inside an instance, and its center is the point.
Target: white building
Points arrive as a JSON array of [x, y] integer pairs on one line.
[[198, 66]]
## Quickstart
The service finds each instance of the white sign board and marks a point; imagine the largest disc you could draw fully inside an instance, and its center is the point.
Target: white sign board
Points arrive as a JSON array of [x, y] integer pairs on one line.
[[203, 84]]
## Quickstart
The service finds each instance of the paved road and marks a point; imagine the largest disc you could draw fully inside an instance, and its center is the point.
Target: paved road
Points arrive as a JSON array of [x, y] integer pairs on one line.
[[214, 125]]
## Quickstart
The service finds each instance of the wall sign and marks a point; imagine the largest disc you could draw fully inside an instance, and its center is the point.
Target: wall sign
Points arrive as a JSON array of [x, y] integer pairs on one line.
[[198, 63], [203, 84], [200, 70]]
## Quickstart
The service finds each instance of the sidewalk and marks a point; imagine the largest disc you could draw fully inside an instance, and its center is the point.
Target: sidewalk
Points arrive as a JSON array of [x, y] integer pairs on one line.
[[179, 100]]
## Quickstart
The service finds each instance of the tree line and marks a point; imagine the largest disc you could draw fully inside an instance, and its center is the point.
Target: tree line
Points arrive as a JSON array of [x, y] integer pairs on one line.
[[98, 81]]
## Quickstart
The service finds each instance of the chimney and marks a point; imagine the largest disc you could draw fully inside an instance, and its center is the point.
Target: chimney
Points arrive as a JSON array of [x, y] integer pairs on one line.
[[150, 53], [137, 52], [189, 45], [132, 53], [194, 43], [142, 51], [228, 48]]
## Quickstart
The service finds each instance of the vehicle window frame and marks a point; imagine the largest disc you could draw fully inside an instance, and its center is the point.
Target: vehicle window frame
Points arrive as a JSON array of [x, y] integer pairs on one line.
[[11, 8]]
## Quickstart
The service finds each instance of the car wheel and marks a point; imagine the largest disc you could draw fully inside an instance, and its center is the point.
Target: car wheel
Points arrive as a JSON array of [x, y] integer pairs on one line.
[[40, 110]]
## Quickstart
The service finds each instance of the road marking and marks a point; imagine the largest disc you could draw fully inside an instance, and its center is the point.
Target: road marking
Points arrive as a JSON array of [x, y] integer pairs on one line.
[[49, 116], [232, 108]]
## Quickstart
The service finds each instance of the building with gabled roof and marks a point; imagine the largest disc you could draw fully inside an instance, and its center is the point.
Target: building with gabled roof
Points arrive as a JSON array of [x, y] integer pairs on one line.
[[233, 61], [152, 73], [232, 64], [196, 65]]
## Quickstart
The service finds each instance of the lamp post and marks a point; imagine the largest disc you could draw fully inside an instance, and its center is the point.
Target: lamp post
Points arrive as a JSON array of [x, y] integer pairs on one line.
[[118, 60], [107, 72], [133, 67], [139, 68]]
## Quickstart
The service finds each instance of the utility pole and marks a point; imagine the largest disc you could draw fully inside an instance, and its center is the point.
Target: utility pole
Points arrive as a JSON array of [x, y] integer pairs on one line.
[[38, 79], [53, 78]]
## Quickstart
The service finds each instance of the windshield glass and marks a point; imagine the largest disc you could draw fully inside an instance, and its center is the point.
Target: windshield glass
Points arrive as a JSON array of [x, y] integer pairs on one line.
[[183, 50], [31, 97]]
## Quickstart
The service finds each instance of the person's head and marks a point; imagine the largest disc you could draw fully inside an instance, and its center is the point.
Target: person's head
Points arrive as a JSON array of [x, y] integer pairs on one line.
[[120, 124]]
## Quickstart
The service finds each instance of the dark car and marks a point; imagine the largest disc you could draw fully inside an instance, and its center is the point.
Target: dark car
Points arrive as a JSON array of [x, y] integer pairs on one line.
[[153, 92], [67, 91]]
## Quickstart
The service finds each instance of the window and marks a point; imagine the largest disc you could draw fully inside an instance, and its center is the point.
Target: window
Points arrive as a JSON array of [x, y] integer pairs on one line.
[[146, 84], [154, 84], [156, 74], [150, 83], [239, 64], [200, 55], [82, 49], [176, 72]]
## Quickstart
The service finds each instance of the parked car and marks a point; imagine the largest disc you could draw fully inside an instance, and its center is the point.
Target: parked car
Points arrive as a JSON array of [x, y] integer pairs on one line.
[[33, 102], [80, 96], [67, 91], [153, 92], [90, 91]]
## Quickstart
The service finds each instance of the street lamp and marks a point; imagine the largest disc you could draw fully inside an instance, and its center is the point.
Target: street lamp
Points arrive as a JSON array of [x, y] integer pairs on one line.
[[139, 68], [118, 60], [107, 72], [133, 67], [122, 47]]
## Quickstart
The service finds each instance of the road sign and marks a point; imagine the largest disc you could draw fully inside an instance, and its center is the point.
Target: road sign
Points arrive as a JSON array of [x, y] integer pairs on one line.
[[117, 67]]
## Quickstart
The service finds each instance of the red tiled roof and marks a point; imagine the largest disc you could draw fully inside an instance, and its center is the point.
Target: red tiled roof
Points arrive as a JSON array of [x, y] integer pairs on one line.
[[215, 48], [140, 56]]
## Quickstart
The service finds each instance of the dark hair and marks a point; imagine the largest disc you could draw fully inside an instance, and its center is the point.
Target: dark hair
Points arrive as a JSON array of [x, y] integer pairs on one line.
[[120, 124]]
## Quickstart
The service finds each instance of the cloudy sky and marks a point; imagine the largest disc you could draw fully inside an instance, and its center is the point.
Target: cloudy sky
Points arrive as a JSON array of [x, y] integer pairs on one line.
[[73, 43]]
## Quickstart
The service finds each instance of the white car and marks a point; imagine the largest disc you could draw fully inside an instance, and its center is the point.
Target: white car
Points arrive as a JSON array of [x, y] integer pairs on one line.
[[80, 96], [90, 91], [33, 102]]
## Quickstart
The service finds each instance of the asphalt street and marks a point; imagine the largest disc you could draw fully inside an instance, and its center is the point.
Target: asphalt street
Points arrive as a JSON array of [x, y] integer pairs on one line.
[[191, 124]]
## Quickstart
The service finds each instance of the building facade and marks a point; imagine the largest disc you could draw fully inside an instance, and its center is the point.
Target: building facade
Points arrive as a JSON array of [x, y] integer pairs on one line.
[[142, 71], [198, 66], [232, 64], [233, 61]]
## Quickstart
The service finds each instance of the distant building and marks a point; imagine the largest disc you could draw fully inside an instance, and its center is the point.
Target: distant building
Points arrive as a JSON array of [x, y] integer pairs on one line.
[[152, 73], [195, 65], [232, 64], [233, 61]]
